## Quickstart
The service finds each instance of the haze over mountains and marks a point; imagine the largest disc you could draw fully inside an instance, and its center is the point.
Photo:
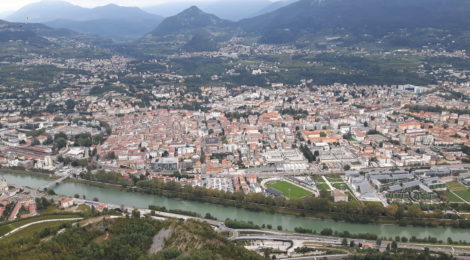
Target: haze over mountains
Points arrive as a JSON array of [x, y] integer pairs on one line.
[[225, 9], [346, 22], [111, 21]]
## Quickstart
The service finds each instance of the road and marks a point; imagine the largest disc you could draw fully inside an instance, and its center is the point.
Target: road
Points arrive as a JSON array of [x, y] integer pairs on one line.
[[38, 222]]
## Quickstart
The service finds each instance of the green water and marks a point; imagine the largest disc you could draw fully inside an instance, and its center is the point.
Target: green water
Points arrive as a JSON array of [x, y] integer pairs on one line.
[[287, 222]]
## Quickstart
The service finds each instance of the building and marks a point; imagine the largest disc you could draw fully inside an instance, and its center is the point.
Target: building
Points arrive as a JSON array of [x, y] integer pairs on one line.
[[339, 195], [166, 164], [66, 203], [3, 186]]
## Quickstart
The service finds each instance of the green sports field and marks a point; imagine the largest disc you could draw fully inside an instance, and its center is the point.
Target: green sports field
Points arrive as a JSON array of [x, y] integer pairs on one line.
[[289, 190], [455, 186], [460, 190], [451, 197], [464, 194]]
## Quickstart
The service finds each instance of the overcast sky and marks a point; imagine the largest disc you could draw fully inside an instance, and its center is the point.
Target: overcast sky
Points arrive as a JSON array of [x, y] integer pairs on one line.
[[13, 5]]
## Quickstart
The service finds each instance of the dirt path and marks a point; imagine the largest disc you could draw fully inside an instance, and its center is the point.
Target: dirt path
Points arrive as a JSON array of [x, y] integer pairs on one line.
[[159, 240]]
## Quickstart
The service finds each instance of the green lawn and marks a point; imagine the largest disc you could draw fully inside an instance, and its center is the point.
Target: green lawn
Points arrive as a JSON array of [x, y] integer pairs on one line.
[[451, 197], [289, 190], [317, 178], [455, 186], [32, 230], [7, 227], [334, 178], [323, 186], [464, 194], [340, 186]]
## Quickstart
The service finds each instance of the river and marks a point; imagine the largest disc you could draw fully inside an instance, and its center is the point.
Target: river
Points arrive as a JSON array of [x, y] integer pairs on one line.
[[288, 222]]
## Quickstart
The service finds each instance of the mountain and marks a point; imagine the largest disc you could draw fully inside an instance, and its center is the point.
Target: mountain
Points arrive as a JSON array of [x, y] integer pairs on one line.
[[225, 9], [3, 15], [25, 39], [113, 21], [191, 21], [19, 32], [46, 11], [273, 7], [191, 30], [362, 20]]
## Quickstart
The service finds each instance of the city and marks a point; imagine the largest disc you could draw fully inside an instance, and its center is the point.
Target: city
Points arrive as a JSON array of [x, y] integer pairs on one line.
[[346, 148]]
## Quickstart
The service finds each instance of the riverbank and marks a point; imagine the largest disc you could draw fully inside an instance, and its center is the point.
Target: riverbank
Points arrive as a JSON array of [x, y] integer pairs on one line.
[[252, 206], [31, 173], [288, 222], [272, 209]]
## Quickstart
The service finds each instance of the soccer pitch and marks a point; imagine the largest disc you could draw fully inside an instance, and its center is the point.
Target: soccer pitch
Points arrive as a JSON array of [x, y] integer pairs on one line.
[[289, 190]]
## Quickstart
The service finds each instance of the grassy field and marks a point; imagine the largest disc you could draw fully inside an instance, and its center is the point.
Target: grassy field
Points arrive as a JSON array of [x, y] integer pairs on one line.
[[5, 228], [459, 189], [455, 186], [464, 194], [334, 178], [340, 186], [32, 230], [317, 178], [323, 186], [451, 197], [289, 190]]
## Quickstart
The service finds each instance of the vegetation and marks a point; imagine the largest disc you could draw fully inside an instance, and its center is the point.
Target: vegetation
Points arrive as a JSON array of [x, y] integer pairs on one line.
[[352, 211], [128, 238], [401, 254], [102, 176], [308, 153], [289, 190], [240, 224], [7, 227]]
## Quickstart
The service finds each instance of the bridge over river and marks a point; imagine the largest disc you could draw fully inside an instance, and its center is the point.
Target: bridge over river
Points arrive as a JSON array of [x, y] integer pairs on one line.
[[52, 184]]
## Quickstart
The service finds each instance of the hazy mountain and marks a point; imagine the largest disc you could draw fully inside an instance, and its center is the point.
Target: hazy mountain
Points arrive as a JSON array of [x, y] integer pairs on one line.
[[273, 7], [191, 30], [121, 30], [225, 9], [23, 39], [192, 20], [19, 32], [47, 11], [362, 19], [113, 21], [3, 15]]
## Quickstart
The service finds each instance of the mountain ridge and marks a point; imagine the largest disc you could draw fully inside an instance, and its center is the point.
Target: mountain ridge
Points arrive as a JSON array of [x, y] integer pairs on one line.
[[112, 21]]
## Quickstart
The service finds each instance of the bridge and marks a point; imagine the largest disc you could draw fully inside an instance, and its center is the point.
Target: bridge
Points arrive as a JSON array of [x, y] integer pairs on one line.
[[52, 184]]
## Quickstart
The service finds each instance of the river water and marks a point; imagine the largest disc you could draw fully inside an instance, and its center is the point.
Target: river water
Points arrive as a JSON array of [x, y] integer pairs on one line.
[[288, 222]]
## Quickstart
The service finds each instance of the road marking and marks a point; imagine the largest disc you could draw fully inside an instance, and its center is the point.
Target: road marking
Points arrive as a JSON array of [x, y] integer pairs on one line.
[[37, 222]]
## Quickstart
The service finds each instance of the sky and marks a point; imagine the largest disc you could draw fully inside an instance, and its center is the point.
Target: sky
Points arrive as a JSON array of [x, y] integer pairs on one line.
[[13, 5]]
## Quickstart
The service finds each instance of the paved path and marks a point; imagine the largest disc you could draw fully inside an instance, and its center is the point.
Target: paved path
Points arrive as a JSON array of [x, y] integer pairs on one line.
[[38, 222], [464, 201], [53, 183], [328, 182]]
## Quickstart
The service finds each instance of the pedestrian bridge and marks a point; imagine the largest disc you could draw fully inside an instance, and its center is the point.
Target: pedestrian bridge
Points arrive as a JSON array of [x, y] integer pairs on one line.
[[52, 184]]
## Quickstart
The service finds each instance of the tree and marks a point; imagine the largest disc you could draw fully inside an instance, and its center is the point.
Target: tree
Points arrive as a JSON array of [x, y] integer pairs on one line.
[[60, 143], [70, 104], [111, 155], [344, 242], [136, 213]]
